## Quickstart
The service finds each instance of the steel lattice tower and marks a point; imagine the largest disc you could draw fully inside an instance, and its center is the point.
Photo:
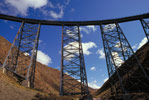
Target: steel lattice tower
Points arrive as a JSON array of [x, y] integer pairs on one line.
[[118, 51], [72, 63], [145, 25], [21, 59]]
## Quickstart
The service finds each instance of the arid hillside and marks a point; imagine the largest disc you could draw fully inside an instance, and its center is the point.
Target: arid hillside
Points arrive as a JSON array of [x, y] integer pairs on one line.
[[143, 57], [47, 79], [11, 90]]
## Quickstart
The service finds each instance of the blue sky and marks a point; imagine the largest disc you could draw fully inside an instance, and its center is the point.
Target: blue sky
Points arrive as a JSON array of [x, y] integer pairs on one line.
[[76, 10]]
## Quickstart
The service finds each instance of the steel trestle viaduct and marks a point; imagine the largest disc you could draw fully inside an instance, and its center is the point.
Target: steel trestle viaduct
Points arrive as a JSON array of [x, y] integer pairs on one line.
[[116, 47]]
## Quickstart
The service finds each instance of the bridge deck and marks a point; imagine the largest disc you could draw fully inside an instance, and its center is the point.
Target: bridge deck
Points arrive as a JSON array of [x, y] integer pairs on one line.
[[73, 23]]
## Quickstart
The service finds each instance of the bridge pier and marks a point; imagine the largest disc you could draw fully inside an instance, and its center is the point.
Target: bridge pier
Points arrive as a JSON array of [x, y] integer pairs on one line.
[[117, 51], [72, 63], [21, 58]]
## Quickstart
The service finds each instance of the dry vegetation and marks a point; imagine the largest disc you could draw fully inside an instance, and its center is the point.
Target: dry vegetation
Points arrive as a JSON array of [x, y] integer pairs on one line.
[[10, 90]]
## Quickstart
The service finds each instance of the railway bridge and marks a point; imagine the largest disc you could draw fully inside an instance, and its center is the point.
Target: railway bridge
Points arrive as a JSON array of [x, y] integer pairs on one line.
[[72, 58]]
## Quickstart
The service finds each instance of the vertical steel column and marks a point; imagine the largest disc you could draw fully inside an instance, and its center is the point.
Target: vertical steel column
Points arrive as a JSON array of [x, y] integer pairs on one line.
[[12, 46], [145, 25], [118, 51], [73, 72], [21, 59], [84, 82], [32, 66], [61, 73]]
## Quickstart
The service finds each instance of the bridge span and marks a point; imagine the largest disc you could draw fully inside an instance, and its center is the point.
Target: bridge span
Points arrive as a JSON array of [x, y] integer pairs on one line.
[[73, 23], [114, 41]]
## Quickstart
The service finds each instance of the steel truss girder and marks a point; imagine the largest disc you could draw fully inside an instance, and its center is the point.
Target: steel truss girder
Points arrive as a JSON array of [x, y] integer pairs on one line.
[[145, 25], [21, 58], [72, 63], [117, 51]]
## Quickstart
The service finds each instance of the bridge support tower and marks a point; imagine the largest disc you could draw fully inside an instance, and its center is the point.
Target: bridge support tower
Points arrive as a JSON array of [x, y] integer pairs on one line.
[[72, 63], [118, 51], [21, 58]]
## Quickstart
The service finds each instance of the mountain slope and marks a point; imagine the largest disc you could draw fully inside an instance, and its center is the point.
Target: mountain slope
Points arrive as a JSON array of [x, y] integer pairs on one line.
[[143, 57], [10, 90], [47, 79]]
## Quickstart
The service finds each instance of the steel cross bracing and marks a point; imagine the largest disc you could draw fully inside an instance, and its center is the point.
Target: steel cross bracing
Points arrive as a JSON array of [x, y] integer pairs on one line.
[[118, 51], [145, 25], [21, 59], [73, 72]]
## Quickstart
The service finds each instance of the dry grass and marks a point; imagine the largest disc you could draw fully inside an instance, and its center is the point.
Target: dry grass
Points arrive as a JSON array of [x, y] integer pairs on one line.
[[10, 90]]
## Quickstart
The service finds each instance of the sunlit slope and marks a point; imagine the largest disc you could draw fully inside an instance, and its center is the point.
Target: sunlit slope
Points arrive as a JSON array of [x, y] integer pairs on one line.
[[47, 79]]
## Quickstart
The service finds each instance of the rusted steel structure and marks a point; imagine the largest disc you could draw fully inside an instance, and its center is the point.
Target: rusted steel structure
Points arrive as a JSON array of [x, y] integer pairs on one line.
[[116, 46]]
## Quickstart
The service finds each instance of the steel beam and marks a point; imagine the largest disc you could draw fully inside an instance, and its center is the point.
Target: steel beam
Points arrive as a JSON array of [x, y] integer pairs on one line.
[[74, 23]]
